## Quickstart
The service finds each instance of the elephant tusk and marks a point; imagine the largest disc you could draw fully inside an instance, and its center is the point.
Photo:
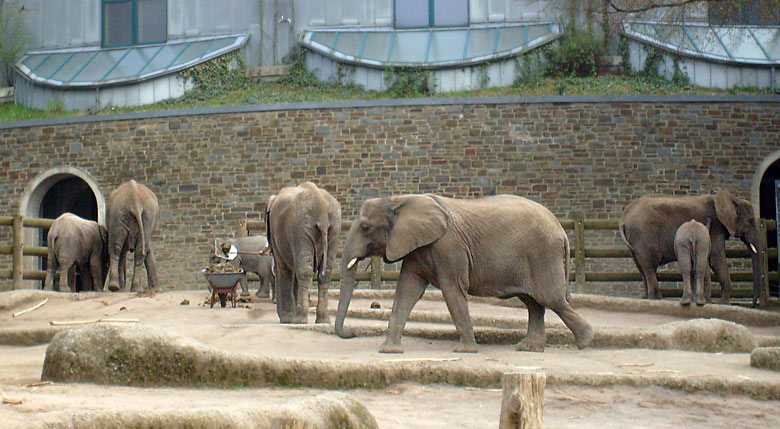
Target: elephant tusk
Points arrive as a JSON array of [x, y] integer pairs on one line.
[[753, 248], [352, 263]]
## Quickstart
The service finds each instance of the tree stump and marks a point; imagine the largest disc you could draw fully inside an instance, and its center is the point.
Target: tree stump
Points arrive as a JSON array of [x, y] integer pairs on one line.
[[523, 400]]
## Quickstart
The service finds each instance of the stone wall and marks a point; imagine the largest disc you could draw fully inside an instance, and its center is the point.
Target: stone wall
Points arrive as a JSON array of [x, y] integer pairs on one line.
[[211, 168]]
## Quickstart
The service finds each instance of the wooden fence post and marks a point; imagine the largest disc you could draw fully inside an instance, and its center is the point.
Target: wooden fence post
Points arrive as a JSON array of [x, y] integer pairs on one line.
[[579, 254], [376, 272], [763, 293], [523, 400], [18, 248]]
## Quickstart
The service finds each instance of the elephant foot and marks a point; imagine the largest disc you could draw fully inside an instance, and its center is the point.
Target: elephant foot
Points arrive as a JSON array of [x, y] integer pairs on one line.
[[530, 345], [467, 347], [294, 319], [685, 300], [262, 294], [113, 287], [322, 319], [389, 347], [136, 289], [584, 338], [724, 300], [700, 300], [244, 293]]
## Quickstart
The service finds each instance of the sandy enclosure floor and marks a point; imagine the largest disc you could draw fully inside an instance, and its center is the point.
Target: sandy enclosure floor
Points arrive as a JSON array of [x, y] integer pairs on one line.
[[253, 329]]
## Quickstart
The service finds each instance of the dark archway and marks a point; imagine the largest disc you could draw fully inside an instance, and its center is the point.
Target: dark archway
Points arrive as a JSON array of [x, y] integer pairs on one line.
[[768, 209], [71, 194]]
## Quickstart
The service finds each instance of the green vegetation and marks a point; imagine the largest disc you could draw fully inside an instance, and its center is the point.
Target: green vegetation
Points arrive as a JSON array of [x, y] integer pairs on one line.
[[223, 83]]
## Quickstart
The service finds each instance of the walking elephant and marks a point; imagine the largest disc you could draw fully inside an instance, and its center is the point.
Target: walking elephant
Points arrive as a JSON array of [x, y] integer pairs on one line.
[[648, 226], [501, 246], [132, 214], [76, 243], [303, 226], [692, 246], [248, 258]]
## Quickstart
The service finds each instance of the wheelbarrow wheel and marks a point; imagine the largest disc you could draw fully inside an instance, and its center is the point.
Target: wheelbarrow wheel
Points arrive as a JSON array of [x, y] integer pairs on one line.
[[223, 299]]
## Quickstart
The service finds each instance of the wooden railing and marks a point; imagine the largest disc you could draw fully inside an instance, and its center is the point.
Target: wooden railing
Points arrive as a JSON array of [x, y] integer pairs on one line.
[[18, 249], [579, 252], [376, 275]]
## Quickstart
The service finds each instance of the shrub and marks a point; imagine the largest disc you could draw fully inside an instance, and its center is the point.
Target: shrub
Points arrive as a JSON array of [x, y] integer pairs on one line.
[[13, 39], [577, 54]]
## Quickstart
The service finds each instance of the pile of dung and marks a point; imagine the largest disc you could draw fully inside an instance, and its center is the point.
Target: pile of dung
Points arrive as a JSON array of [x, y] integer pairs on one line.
[[224, 267], [766, 357]]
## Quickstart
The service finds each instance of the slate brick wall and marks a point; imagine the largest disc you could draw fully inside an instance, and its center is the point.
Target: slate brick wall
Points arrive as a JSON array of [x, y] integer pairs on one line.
[[577, 158]]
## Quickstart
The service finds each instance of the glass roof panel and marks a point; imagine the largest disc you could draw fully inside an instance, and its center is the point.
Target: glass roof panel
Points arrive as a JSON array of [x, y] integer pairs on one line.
[[706, 40], [51, 64], [100, 65], [429, 47], [770, 40], [93, 66], [409, 47], [195, 50], [324, 38], [510, 37], [447, 46], [377, 45], [73, 65], [481, 42], [132, 63], [725, 43], [740, 43], [349, 42]]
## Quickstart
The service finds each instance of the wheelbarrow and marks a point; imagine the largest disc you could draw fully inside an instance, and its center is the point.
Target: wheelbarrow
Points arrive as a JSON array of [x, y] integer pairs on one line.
[[223, 285]]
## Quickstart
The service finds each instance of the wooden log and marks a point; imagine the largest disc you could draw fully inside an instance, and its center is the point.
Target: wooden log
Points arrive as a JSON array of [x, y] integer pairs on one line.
[[18, 251], [523, 400]]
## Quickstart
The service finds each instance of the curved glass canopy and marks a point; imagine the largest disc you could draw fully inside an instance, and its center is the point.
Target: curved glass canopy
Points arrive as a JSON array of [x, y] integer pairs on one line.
[[93, 66], [735, 44], [429, 47]]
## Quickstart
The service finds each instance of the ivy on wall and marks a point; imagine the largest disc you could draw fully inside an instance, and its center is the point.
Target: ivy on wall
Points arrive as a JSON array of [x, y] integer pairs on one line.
[[214, 77]]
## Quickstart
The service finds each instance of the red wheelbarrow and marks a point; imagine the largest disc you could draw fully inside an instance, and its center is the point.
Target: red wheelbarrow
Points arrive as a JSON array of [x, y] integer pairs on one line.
[[223, 285]]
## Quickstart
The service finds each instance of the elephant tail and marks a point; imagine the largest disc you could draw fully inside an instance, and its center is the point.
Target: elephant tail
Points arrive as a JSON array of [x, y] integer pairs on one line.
[[321, 248], [693, 259], [566, 261], [622, 230]]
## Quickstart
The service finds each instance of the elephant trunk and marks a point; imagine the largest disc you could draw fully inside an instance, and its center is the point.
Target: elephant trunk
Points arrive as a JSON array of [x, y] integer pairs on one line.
[[345, 297]]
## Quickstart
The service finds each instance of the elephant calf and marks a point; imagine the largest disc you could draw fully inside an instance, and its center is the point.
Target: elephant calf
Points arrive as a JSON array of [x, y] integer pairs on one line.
[[692, 246], [73, 243], [248, 259]]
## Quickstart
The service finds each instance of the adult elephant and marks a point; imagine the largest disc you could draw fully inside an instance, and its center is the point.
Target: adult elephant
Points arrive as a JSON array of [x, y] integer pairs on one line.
[[132, 215], [74, 243], [303, 225], [502, 246], [648, 226], [249, 257]]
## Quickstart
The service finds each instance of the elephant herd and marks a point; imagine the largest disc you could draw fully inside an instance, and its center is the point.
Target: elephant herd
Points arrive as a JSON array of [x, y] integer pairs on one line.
[[99, 252], [500, 246]]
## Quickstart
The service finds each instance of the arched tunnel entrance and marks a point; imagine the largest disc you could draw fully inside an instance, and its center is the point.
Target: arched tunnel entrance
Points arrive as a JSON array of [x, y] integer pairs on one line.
[[769, 200], [70, 195], [52, 193]]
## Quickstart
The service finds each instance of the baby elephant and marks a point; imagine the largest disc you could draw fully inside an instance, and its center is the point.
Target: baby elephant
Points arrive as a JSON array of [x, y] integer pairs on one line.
[[73, 243], [249, 259], [692, 246]]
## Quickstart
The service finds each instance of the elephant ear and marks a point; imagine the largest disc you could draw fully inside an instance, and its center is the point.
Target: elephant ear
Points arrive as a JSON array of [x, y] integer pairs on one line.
[[419, 220], [726, 210]]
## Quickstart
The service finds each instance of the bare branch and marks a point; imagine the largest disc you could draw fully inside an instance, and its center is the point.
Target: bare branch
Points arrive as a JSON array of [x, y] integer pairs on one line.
[[651, 5]]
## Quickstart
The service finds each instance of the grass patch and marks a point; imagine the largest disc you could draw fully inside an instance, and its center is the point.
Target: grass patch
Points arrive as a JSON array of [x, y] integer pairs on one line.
[[301, 88]]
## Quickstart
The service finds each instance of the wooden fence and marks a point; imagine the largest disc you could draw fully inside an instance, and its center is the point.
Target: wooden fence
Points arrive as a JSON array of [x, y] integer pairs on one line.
[[579, 252]]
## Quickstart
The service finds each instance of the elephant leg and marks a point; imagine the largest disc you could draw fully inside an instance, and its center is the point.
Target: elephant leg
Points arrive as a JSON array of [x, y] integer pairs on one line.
[[151, 268], [535, 336], [323, 283], [302, 286], [409, 290], [702, 278], [96, 271], [583, 332], [64, 285], [138, 262], [455, 298], [244, 286], [707, 284], [645, 290], [285, 301], [719, 267], [649, 279], [264, 290], [686, 268], [86, 277], [123, 268], [51, 271]]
